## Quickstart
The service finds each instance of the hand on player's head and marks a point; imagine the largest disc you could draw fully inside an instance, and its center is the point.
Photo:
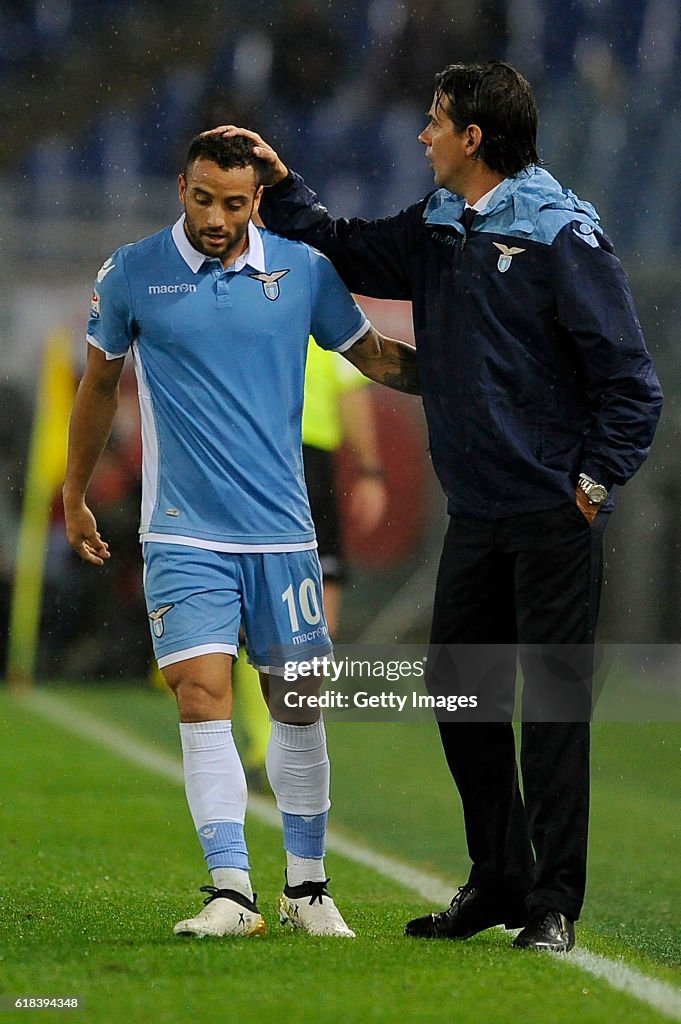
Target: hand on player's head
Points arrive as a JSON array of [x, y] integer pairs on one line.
[[276, 170]]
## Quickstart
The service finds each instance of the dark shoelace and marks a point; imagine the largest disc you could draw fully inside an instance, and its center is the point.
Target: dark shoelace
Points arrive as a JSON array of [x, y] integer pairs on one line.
[[231, 894]]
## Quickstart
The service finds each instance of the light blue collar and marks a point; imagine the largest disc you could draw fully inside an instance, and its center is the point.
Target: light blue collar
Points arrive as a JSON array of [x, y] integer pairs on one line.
[[527, 193]]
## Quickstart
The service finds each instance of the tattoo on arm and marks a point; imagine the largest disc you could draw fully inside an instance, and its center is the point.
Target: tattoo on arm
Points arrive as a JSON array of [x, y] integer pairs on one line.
[[405, 380], [386, 361]]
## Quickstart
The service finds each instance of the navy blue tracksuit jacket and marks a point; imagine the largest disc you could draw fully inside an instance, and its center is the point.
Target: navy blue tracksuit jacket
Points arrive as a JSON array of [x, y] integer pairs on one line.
[[531, 360]]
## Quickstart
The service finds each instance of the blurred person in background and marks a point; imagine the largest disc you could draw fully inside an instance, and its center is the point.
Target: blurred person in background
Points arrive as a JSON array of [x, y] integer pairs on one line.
[[540, 397], [78, 603], [15, 430], [337, 410], [218, 315]]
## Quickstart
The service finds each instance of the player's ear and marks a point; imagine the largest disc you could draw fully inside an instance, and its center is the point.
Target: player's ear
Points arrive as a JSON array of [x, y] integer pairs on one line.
[[256, 199], [182, 187]]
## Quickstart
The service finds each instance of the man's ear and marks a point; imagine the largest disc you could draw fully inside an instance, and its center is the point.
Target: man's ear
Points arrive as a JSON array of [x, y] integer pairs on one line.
[[182, 187], [473, 139], [256, 205]]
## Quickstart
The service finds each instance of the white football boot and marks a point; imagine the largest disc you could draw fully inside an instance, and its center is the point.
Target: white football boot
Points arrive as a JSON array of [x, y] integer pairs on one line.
[[310, 908], [226, 912]]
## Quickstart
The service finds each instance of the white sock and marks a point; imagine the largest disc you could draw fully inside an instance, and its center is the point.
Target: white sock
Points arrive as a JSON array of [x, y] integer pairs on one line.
[[298, 767], [215, 785], [304, 869], [233, 878], [214, 779]]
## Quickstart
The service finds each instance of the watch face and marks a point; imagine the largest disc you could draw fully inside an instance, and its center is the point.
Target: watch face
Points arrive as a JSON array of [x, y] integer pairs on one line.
[[597, 494]]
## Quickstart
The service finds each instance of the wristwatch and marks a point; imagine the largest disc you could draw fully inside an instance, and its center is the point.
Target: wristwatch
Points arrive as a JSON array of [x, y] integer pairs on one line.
[[595, 493]]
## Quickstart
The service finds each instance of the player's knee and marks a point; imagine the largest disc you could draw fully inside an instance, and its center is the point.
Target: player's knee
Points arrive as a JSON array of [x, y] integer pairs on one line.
[[296, 702], [199, 697], [198, 703]]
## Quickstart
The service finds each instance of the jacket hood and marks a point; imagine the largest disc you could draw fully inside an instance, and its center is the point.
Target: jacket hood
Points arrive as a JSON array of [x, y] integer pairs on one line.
[[527, 194]]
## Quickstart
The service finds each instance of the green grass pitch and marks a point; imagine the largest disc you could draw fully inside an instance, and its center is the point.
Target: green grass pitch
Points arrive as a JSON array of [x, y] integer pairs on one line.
[[99, 860]]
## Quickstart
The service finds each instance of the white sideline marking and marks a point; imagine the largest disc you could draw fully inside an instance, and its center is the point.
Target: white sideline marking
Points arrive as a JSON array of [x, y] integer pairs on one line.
[[657, 994]]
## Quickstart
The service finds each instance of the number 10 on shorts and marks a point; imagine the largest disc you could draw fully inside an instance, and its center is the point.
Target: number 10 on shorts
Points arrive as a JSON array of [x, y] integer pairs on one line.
[[307, 604]]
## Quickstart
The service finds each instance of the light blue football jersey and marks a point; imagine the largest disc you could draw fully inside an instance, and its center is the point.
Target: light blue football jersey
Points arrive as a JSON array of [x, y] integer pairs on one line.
[[220, 363]]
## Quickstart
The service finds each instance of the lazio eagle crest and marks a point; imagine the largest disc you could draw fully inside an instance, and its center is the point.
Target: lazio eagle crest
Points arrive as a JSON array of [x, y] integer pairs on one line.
[[156, 616], [270, 283], [507, 254]]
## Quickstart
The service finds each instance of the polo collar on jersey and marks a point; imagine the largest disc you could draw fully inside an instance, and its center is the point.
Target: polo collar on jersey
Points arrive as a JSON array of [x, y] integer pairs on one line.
[[253, 257]]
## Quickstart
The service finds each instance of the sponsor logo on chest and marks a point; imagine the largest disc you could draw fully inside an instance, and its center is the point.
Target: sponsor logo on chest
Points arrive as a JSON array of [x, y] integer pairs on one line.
[[171, 289]]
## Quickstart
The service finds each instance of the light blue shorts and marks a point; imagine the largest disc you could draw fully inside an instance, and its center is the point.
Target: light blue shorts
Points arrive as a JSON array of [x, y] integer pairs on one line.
[[197, 599]]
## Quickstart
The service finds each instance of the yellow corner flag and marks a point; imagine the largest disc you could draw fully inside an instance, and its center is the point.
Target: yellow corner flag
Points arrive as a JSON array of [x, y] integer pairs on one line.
[[44, 476]]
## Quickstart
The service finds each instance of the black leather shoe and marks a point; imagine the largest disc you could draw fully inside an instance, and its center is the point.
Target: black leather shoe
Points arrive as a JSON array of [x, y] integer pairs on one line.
[[547, 930], [470, 912]]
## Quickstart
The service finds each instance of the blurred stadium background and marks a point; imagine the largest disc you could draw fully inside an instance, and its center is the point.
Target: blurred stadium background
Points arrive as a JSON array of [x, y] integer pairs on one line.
[[98, 101]]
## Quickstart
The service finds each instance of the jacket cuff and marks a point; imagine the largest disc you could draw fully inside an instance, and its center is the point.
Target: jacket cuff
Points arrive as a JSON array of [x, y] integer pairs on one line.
[[282, 186]]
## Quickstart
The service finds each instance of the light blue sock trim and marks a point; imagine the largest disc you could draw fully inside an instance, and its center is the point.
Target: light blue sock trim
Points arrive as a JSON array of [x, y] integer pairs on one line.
[[224, 845], [304, 835]]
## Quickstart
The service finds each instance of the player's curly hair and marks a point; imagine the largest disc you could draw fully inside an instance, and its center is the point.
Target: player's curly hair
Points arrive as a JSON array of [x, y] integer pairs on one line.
[[499, 100], [226, 151]]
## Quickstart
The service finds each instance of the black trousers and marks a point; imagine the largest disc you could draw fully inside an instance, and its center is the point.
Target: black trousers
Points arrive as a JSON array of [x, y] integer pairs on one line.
[[531, 585]]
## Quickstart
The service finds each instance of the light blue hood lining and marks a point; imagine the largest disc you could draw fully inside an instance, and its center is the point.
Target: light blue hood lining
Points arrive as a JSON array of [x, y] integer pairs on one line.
[[532, 205]]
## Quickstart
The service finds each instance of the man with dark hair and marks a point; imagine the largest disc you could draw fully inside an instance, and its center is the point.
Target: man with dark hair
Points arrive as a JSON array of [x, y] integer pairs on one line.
[[540, 396], [217, 313], [500, 102]]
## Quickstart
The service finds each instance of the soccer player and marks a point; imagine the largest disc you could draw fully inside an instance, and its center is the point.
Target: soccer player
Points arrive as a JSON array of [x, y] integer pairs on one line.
[[217, 313]]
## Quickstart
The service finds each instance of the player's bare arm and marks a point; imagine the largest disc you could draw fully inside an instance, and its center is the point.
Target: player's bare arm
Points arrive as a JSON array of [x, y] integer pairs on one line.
[[386, 361], [91, 421], [275, 171]]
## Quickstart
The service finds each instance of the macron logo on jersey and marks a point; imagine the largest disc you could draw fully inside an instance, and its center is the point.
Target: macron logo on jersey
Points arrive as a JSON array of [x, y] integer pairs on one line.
[[171, 289]]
